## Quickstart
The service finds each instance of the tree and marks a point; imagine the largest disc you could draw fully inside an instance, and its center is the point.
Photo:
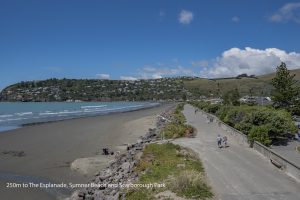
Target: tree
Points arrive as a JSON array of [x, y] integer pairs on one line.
[[260, 134], [218, 91], [232, 97], [286, 91]]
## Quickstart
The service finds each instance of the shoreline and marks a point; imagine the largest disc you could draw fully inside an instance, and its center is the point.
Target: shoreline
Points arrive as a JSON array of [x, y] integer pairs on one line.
[[88, 116], [6, 128], [120, 169], [50, 148]]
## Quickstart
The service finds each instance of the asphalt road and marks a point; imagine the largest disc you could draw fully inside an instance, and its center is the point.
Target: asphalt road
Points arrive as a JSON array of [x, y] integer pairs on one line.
[[236, 172]]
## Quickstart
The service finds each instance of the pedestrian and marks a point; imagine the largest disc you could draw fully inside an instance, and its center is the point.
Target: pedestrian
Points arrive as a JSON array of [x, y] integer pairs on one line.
[[219, 140], [225, 141]]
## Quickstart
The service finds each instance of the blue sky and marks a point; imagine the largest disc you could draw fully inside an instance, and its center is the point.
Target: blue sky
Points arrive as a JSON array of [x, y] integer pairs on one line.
[[132, 39]]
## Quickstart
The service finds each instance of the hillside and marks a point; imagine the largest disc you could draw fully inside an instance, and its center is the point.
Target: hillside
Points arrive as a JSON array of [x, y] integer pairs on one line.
[[95, 90], [117, 90], [260, 85]]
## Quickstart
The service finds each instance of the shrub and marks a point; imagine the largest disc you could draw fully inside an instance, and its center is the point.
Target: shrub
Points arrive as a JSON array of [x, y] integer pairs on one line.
[[273, 123], [222, 112], [174, 130], [160, 164], [178, 128], [213, 108], [260, 134], [191, 184]]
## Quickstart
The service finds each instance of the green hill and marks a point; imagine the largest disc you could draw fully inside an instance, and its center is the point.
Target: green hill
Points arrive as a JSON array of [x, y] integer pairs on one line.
[[95, 90], [260, 85], [178, 88]]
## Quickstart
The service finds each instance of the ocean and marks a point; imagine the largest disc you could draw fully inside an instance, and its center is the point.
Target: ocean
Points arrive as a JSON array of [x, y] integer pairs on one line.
[[16, 114]]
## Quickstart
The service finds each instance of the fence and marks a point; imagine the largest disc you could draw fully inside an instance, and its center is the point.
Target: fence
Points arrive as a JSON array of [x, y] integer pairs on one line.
[[240, 137], [287, 166]]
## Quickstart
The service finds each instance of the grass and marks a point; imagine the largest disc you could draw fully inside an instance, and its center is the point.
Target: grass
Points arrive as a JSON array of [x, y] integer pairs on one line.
[[259, 86], [180, 171], [177, 128]]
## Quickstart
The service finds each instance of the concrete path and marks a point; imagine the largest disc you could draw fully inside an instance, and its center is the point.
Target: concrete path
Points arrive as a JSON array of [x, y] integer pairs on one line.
[[236, 172], [289, 151]]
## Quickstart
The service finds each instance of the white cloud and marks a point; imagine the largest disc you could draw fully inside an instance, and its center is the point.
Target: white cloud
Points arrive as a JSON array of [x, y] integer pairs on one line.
[[156, 76], [129, 78], [103, 76], [235, 19], [185, 17], [236, 61], [288, 12], [152, 72], [149, 72], [231, 63]]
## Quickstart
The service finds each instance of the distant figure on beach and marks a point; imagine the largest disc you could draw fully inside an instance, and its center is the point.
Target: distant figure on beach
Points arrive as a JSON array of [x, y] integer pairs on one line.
[[219, 140], [105, 151], [225, 141]]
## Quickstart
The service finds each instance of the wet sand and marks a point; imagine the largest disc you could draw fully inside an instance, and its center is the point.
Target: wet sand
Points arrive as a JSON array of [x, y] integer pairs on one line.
[[50, 148]]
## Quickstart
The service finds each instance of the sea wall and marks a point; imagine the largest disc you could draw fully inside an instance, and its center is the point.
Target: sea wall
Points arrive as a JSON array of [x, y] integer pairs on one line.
[[287, 166], [120, 171], [240, 137]]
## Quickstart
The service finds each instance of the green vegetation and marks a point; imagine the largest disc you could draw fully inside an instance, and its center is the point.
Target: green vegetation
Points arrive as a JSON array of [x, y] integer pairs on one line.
[[179, 169], [286, 90], [232, 97], [180, 88], [259, 86], [266, 125], [206, 106], [177, 128], [95, 90]]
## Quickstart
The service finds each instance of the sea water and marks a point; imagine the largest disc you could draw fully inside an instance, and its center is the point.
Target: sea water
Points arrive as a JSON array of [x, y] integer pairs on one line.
[[15, 114]]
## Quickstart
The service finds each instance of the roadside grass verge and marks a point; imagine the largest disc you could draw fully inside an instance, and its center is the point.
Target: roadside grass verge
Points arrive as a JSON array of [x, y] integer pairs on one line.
[[177, 128], [177, 168]]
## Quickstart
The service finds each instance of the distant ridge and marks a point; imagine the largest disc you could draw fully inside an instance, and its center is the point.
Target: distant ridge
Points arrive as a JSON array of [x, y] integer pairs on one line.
[[177, 88], [258, 85]]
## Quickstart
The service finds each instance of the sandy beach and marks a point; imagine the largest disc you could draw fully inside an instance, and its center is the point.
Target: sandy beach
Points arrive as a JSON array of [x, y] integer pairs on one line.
[[47, 151]]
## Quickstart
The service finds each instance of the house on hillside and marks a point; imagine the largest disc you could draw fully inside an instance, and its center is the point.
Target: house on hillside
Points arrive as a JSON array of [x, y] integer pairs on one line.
[[256, 100], [248, 99]]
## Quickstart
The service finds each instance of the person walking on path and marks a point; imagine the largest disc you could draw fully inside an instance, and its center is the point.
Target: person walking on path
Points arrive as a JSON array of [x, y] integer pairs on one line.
[[219, 140], [225, 141]]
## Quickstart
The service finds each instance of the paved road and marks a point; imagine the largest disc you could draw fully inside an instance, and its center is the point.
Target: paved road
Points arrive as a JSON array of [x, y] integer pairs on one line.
[[236, 173], [289, 151]]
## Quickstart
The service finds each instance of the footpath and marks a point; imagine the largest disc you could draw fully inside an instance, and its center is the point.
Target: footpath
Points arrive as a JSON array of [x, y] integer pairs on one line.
[[236, 172]]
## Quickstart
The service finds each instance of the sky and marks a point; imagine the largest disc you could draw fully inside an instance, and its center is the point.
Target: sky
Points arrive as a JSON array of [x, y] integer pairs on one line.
[[141, 39]]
